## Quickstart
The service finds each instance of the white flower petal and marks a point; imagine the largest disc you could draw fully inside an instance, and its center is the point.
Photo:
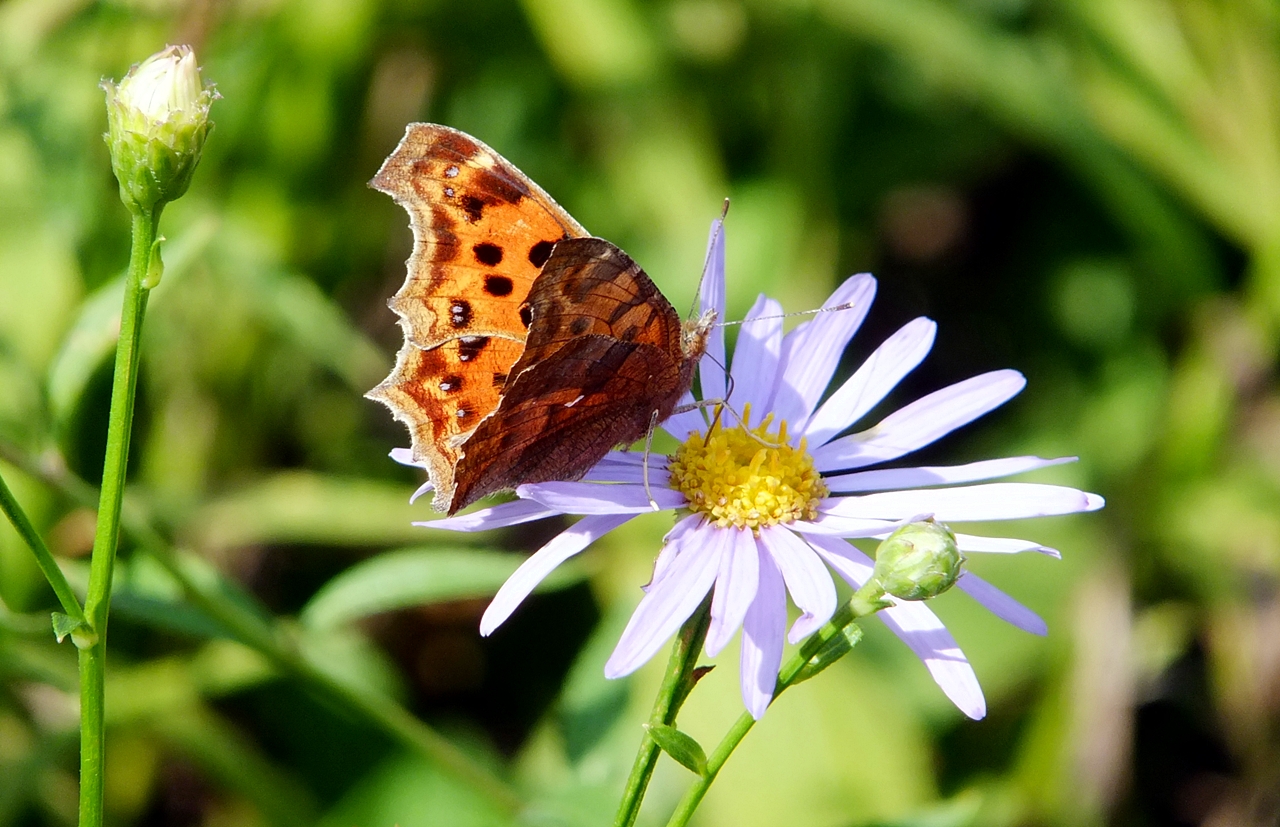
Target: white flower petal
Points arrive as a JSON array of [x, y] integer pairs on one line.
[[671, 546], [668, 603], [917, 626], [593, 498], [890, 479], [1001, 545], [883, 370], [1002, 605], [811, 352], [658, 476], [762, 639], [992, 501], [834, 526], [711, 370], [921, 422], [755, 358], [498, 516], [422, 489], [807, 579], [735, 588], [541, 563], [404, 456], [681, 424]]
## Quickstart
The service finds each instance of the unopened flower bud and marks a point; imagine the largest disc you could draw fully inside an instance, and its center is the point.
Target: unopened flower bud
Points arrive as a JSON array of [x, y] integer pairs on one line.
[[918, 561], [157, 120]]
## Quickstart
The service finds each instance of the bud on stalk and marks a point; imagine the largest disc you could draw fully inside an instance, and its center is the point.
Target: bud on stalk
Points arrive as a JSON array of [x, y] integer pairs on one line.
[[157, 121]]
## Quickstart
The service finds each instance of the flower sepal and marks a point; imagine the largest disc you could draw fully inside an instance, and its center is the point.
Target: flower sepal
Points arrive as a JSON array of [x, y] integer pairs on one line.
[[681, 746], [918, 561]]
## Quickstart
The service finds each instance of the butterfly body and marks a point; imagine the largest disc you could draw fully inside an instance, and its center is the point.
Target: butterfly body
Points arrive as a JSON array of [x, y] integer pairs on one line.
[[531, 349]]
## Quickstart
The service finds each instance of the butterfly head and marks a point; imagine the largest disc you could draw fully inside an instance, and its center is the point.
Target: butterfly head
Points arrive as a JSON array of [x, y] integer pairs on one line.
[[693, 335]]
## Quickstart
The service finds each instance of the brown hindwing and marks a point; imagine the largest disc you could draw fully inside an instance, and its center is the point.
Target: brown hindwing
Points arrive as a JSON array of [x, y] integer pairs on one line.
[[603, 354]]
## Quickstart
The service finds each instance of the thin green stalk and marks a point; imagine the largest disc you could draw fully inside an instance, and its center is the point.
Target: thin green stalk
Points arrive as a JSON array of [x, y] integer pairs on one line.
[[124, 387], [44, 558], [864, 602], [676, 685], [250, 629]]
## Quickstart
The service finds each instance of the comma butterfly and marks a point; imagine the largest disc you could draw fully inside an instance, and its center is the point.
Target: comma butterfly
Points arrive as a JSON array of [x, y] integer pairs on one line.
[[531, 349]]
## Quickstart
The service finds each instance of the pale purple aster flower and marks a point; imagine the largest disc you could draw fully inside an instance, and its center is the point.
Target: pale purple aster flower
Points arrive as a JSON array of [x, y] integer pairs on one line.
[[790, 526]]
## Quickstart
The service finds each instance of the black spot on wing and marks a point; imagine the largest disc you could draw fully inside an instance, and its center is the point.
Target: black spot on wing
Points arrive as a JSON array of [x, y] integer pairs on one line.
[[526, 315], [498, 286], [488, 253], [451, 384], [540, 252], [579, 325]]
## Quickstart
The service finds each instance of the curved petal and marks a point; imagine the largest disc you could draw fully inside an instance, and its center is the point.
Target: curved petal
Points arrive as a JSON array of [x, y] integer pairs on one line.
[[421, 489], [541, 563], [497, 516], [992, 501], [917, 626], [668, 603], [755, 358], [735, 588], [1001, 545], [890, 479], [807, 579], [881, 373], [921, 422], [1002, 605], [711, 370], [404, 456], [762, 639], [811, 352], [593, 498], [671, 546]]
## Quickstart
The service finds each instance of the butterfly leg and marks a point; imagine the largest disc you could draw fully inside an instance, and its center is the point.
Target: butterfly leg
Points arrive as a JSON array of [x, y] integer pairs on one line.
[[648, 445]]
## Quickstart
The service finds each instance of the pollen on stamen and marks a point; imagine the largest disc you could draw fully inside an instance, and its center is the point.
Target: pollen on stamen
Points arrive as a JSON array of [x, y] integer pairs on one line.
[[747, 479]]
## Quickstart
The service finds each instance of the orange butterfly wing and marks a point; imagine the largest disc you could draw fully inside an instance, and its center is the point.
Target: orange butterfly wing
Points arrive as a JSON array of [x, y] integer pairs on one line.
[[482, 232]]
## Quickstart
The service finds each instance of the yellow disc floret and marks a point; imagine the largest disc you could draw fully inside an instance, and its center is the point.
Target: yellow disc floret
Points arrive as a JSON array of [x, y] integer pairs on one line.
[[747, 478]]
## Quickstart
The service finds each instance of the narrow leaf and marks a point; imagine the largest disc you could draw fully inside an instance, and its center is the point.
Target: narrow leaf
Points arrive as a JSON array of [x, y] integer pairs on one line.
[[415, 576], [834, 648], [679, 746]]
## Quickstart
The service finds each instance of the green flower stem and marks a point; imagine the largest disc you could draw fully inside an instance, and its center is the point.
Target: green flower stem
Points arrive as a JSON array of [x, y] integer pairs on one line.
[[249, 628], [124, 387], [44, 558], [676, 685], [864, 602]]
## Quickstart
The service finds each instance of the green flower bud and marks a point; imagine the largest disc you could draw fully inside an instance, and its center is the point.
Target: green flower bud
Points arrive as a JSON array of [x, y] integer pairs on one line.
[[157, 120], [918, 561]]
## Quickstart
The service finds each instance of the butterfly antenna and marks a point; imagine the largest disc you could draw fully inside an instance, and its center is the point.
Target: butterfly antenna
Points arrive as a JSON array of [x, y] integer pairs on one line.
[[833, 309], [706, 264]]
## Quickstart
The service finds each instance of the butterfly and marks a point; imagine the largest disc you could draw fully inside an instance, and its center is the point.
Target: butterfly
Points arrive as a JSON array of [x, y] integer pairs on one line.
[[531, 348]]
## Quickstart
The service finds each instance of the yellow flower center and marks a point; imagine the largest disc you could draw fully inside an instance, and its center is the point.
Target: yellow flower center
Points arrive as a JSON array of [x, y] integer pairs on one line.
[[747, 478]]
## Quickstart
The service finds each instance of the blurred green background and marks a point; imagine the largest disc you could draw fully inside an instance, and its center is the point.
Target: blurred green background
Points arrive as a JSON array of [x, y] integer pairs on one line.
[[1085, 190]]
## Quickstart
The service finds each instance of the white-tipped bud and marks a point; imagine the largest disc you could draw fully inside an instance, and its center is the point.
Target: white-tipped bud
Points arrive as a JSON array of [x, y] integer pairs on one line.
[[157, 118]]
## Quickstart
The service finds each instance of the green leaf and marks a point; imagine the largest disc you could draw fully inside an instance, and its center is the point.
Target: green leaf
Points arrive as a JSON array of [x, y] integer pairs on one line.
[[302, 507], [836, 647], [679, 746], [64, 625], [412, 577]]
